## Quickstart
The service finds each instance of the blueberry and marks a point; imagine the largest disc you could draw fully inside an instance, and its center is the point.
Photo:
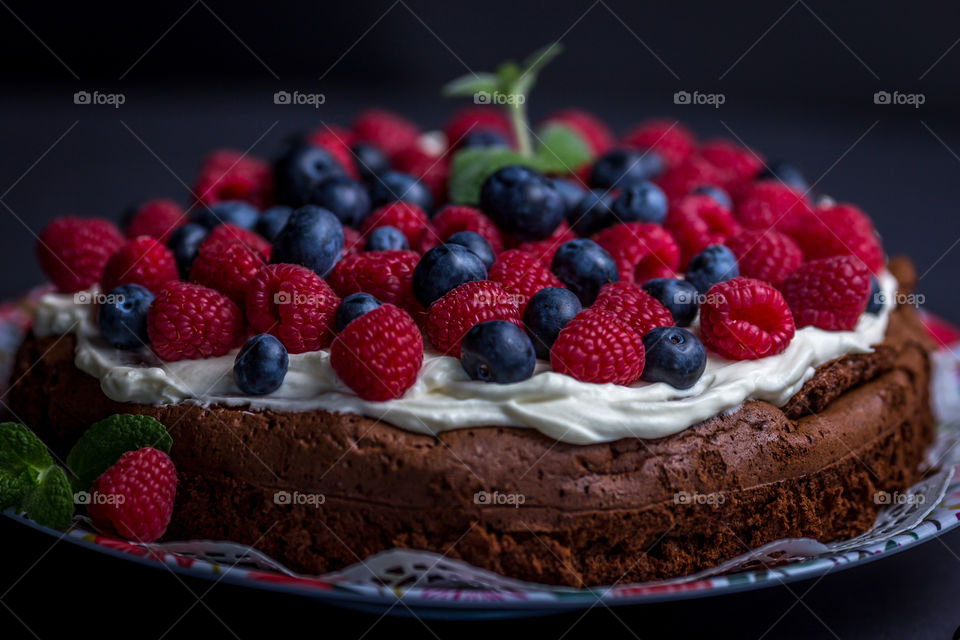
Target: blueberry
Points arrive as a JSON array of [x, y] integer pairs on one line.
[[483, 139], [272, 221], [443, 269], [476, 243], [352, 307], [261, 365], [522, 202], [122, 316], [243, 214], [345, 198], [584, 266], [623, 168], [386, 238], [786, 173], [183, 243], [673, 355], [642, 202], [548, 311], [369, 161], [299, 170], [593, 213], [392, 186], [497, 351], [570, 191], [714, 264], [678, 296], [877, 299], [312, 237], [719, 196]]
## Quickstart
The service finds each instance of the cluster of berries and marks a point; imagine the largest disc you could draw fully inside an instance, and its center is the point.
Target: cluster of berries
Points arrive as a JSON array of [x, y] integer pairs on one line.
[[347, 242]]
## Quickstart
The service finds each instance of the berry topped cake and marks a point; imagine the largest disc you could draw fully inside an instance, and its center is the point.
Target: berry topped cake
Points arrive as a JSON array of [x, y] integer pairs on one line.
[[558, 354]]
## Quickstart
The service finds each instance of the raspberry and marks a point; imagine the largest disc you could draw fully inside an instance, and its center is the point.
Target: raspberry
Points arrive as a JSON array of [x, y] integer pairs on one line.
[[73, 252], [673, 142], [696, 222], [829, 293], [737, 165], [352, 241], [597, 346], [433, 171], [450, 317], [189, 321], [455, 218], [765, 255], [231, 175], [591, 129], [642, 251], [139, 490], [386, 275], [227, 266], [745, 319], [155, 218], [293, 304], [839, 230], [686, 176], [143, 261], [470, 119], [335, 140], [522, 273], [634, 306], [379, 354], [769, 204], [385, 130], [408, 218], [544, 249], [232, 233]]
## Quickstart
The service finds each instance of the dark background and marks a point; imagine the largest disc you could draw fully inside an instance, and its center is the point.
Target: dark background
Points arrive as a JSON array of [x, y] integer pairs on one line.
[[798, 79]]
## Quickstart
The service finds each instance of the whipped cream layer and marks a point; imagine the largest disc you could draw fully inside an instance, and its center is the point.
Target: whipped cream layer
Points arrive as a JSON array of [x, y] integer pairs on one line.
[[445, 398]]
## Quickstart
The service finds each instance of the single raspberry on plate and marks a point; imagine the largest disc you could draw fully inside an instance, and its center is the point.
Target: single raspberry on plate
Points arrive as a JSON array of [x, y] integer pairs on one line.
[[544, 249], [385, 130], [73, 251], [227, 266], [143, 261], [432, 170], [454, 219], [587, 126], [839, 230], [770, 204], [155, 218], [336, 140], [673, 142], [597, 346], [407, 218], [634, 306], [386, 275], [477, 118], [293, 304], [696, 222], [737, 164], [450, 317], [379, 354], [765, 255], [745, 319], [232, 175], [352, 241], [523, 274], [135, 496], [829, 293], [232, 233], [642, 251], [188, 321], [693, 172]]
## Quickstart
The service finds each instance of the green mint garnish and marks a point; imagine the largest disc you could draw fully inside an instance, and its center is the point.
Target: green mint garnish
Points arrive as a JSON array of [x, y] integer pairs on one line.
[[21, 450], [103, 444], [30, 481], [50, 502], [561, 150]]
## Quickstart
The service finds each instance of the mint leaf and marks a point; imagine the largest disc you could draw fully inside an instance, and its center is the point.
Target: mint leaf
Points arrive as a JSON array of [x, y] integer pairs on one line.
[[13, 489], [470, 167], [561, 150], [21, 450], [50, 503], [103, 444], [470, 84]]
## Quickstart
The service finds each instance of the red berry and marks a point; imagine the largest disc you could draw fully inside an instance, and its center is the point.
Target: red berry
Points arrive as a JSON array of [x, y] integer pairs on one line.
[[227, 266], [386, 275], [450, 317], [155, 218], [769, 204], [673, 142], [597, 346], [143, 261], [829, 293], [379, 354], [634, 306], [232, 233], [385, 130], [765, 255], [232, 175], [839, 230], [336, 141], [737, 164], [590, 128], [544, 249], [189, 321], [480, 118], [135, 496], [642, 251], [352, 241], [73, 251], [408, 218], [696, 222], [455, 218], [693, 172], [523, 274], [293, 304], [432, 170], [745, 319]]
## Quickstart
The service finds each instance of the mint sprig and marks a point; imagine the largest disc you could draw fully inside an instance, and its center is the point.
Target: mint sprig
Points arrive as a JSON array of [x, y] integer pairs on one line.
[[30, 481], [102, 444]]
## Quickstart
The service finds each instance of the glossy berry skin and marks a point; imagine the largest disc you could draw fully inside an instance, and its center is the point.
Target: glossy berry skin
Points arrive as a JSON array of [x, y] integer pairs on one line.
[[187, 322], [183, 243], [301, 169], [745, 319], [243, 214], [642, 202], [387, 239], [829, 293], [261, 365], [443, 269], [633, 305], [673, 355], [73, 251], [144, 261], [384, 274], [714, 264], [547, 313], [369, 161], [522, 202], [497, 351], [786, 173], [877, 299], [598, 347], [407, 218], [393, 186], [521, 273], [584, 267], [641, 250], [476, 243], [294, 304], [272, 221], [122, 316], [483, 139], [592, 213], [622, 168], [678, 296], [765, 255], [226, 266], [455, 218], [570, 191], [155, 218], [719, 196], [312, 237], [352, 307], [450, 317], [345, 198]]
